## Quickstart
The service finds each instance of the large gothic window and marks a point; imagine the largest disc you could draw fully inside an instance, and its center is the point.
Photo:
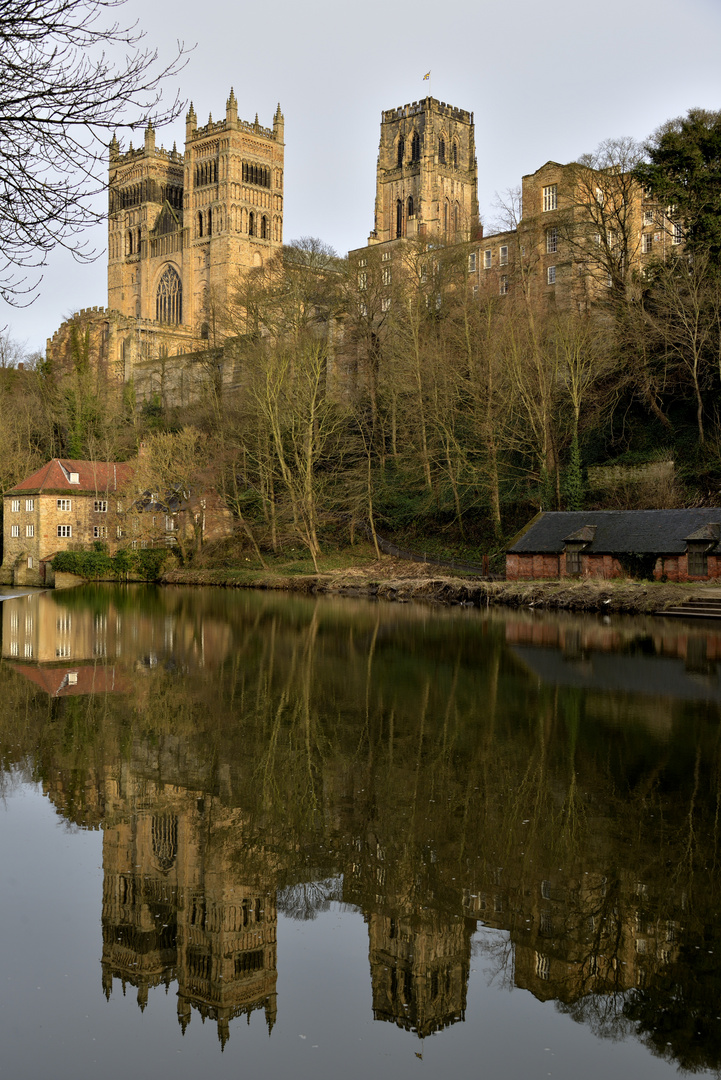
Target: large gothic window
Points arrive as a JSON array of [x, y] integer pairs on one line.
[[164, 829], [416, 147], [401, 151], [441, 151], [410, 206], [169, 297]]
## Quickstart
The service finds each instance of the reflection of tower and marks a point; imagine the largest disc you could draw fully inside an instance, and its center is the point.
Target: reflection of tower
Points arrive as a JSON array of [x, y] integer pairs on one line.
[[419, 970], [173, 909]]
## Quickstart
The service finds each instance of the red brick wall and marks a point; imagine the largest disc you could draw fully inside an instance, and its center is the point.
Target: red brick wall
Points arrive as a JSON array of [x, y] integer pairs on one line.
[[534, 567]]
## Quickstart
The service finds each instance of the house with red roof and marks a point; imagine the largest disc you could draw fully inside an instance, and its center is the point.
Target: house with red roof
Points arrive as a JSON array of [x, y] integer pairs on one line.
[[65, 505]]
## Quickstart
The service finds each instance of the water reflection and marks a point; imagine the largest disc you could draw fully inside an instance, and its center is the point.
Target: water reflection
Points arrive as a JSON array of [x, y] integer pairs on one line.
[[442, 772]]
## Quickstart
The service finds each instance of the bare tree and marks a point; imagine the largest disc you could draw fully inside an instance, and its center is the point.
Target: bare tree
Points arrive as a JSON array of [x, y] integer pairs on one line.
[[70, 75]]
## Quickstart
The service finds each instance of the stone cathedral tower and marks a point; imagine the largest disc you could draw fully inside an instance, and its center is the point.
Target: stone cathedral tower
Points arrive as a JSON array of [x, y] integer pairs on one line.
[[182, 225], [427, 180]]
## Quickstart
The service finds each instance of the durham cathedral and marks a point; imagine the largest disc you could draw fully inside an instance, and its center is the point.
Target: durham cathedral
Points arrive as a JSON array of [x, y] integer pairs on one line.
[[183, 226]]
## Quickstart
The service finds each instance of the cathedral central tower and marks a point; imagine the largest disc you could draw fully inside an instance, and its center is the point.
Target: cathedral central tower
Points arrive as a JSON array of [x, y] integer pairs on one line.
[[427, 177]]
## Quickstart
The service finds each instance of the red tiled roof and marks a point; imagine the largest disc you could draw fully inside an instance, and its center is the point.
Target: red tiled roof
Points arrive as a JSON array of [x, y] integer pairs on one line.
[[67, 682], [92, 476]]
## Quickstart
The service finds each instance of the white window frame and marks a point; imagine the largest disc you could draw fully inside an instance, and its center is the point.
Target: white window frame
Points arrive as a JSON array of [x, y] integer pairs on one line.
[[64, 505], [15, 530], [100, 506], [15, 506], [503, 285], [362, 280], [386, 303], [503, 255], [29, 530], [648, 217], [487, 258], [551, 275], [385, 257], [551, 240], [386, 275], [676, 234], [550, 197], [29, 505], [646, 243], [100, 532], [472, 263], [65, 531]]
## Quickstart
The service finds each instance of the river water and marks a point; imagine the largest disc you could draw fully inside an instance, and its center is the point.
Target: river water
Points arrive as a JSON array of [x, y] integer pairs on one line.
[[248, 834]]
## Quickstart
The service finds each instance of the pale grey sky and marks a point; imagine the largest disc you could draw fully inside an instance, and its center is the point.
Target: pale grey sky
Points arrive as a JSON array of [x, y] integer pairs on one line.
[[544, 78]]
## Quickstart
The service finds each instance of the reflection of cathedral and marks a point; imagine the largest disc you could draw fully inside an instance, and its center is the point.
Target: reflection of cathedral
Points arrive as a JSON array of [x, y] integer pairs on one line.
[[174, 908]]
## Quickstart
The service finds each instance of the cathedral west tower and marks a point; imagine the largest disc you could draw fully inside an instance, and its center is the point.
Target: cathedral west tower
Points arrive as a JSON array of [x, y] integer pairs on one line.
[[427, 183], [181, 226]]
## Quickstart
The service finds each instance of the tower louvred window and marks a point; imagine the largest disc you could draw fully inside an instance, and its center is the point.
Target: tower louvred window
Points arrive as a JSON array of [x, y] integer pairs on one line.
[[416, 147], [169, 297]]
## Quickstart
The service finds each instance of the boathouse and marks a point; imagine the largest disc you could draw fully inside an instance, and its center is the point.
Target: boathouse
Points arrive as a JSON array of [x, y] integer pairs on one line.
[[674, 545]]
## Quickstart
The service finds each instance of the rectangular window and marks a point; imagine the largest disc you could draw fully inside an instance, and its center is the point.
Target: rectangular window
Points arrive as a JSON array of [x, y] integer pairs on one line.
[[28, 651], [363, 280], [100, 532], [648, 217], [677, 235], [170, 523], [100, 506], [646, 242], [364, 310], [362, 262], [551, 241], [30, 562], [573, 562], [550, 197], [65, 504], [475, 290], [14, 530], [30, 530], [503, 255], [697, 564], [65, 530], [386, 303], [503, 285], [118, 532], [385, 257], [551, 275], [15, 507], [487, 259], [30, 504], [472, 263], [386, 275]]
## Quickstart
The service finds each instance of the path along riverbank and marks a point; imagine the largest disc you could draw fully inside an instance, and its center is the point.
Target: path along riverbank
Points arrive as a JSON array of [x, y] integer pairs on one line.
[[393, 579]]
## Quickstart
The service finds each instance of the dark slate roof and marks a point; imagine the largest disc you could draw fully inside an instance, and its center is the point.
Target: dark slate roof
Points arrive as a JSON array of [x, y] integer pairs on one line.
[[661, 532]]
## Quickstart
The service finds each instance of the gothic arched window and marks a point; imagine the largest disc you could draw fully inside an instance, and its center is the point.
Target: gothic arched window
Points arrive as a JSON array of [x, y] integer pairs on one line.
[[416, 147], [441, 151], [445, 216], [164, 831], [456, 217], [455, 154], [210, 222], [200, 223], [410, 206], [169, 297], [401, 151], [399, 218], [264, 228], [251, 224]]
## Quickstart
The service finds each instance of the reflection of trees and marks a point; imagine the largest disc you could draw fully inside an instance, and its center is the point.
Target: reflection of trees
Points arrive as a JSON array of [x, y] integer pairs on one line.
[[305, 899], [407, 755]]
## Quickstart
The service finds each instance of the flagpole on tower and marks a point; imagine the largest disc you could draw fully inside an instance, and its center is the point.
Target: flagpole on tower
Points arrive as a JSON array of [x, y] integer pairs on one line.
[[427, 77]]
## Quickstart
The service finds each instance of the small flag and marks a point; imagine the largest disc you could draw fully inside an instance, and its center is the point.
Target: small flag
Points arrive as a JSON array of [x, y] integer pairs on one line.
[[426, 76]]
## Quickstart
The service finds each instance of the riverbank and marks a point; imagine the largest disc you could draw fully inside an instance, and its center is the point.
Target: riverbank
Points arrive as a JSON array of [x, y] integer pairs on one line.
[[394, 579]]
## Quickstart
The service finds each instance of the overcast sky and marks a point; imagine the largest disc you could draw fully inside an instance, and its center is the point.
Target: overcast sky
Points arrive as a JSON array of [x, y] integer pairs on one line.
[[546, 79]]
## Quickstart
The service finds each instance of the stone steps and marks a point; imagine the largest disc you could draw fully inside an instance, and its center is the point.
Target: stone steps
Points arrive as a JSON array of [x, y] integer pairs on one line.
[[696, 607]]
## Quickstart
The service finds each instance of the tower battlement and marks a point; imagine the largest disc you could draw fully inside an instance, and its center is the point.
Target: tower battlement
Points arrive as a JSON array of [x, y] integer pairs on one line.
[[427, 104]]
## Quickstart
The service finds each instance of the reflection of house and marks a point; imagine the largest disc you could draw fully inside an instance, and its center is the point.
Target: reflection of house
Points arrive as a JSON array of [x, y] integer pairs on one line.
[[681, 545], [43, 628], [66, 504], [174, 908]]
